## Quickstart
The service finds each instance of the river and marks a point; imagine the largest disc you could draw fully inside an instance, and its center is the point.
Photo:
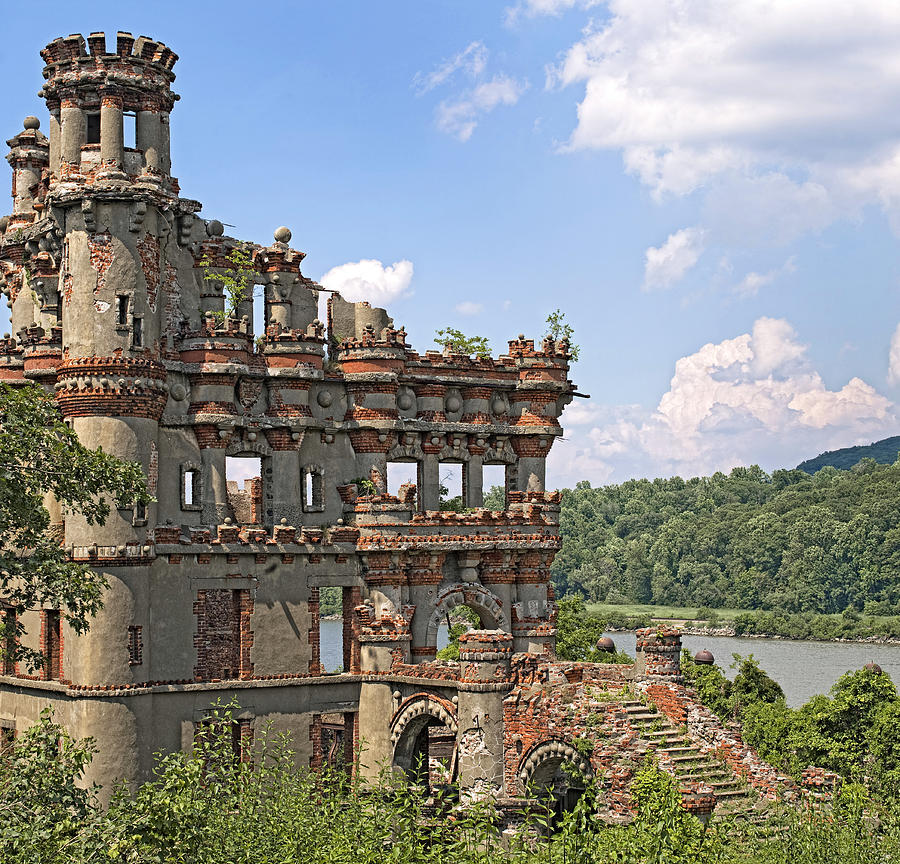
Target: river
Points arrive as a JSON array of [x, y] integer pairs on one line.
[[802, 668]]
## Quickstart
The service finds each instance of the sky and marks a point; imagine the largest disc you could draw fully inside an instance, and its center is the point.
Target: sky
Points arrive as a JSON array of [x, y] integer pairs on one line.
[[708, 189]]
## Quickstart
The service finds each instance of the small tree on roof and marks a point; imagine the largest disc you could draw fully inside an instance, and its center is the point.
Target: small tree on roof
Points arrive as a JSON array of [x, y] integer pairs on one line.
[[459, 343]]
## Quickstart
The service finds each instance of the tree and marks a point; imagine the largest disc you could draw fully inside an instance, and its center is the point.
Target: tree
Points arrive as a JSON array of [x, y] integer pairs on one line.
[[495, 498], [40, 455], [558, 329], [237, 280], [577, 632], [459, 343]]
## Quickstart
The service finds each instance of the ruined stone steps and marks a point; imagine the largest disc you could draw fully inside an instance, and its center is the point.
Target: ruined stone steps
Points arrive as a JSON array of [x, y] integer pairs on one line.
[[688, 763]]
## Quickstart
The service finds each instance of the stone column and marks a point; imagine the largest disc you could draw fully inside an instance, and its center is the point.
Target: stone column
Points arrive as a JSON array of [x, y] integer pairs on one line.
[[73, 132], [215, 490], [112, 133], [484, 672], [165, 159], [474, 481], [54, 135], [429, 486], [147, 132], [286, 486]]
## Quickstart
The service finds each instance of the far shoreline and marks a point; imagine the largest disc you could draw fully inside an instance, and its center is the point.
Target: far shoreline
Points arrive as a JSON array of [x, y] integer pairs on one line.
[[730, 632]]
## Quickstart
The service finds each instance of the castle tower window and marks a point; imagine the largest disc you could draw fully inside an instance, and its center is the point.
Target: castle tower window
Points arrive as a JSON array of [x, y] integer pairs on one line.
[[135, 646], [122, 310], [190, 488], [93, 128], [495, 486], [51, 644], [137, 332], [452, 492], [243, 479], [400, 473], [129, 119], [139, 516], [313, 489]]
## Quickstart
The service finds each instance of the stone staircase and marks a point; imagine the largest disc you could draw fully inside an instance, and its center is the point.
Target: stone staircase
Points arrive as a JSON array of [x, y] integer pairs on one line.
[[678, 755]]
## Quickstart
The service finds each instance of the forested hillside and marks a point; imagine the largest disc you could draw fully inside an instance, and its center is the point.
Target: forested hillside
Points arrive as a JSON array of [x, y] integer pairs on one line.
[[789, 542], [884, 451]]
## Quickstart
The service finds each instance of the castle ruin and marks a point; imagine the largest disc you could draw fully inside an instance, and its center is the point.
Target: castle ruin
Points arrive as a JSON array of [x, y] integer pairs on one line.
[[214, 587]]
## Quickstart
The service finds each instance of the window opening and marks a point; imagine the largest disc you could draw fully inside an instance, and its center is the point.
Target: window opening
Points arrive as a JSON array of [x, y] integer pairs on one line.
[[399, 474], [129, 129], [7, 738], [140, 513], [93, 128], [135, 646], [451, 486], [494, 486], [8, 660], [137, 332], [122, 310], [52, 647], [243, 479], [190, 488], [331, 629], [313, 489], [259, 312], [459, 620]]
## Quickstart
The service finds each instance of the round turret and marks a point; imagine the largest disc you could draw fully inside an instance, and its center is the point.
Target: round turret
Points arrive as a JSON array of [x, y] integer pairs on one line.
[[704, 657]]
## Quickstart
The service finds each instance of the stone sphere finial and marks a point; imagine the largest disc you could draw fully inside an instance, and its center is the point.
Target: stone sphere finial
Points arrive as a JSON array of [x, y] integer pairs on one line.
[[215, 228], [31, 122], [704, 657], [283, 234]]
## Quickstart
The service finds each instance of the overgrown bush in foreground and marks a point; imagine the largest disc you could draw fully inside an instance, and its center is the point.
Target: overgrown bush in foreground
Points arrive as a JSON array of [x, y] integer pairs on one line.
[[212, 806]]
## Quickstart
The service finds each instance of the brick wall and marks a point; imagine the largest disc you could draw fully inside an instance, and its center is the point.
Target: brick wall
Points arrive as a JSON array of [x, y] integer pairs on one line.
[[224, 638], [8, 665], [315, 665], [51, 645]]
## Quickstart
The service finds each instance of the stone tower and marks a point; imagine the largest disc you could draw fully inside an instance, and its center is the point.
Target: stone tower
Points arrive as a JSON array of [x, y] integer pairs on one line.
[[214, 592]]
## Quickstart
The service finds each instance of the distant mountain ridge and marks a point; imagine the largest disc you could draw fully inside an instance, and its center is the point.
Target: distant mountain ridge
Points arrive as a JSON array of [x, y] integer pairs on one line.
[[884, 451]]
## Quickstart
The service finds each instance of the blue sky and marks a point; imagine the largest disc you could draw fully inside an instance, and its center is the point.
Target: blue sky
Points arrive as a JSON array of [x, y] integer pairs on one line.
[[709, 190]]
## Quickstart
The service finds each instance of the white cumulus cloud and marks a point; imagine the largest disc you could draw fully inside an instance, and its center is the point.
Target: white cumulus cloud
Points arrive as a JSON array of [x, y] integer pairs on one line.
[[752, 398], [667, 264], [370, 280], [781, 113]]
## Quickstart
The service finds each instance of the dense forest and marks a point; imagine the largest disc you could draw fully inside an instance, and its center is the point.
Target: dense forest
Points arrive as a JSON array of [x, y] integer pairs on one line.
[[788, 542], [884, 451]]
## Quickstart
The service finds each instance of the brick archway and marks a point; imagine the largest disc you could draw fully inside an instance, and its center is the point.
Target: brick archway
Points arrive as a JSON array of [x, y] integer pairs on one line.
[[411, 722], [476, 597], [540, 764]]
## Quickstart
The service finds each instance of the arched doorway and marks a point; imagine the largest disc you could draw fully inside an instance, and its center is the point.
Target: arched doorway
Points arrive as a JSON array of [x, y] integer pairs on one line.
[[423, 737], [487, 606], [555, 770]]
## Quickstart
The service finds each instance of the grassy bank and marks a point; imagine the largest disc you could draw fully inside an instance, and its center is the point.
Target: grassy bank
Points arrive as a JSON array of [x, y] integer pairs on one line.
[[663, 613]]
